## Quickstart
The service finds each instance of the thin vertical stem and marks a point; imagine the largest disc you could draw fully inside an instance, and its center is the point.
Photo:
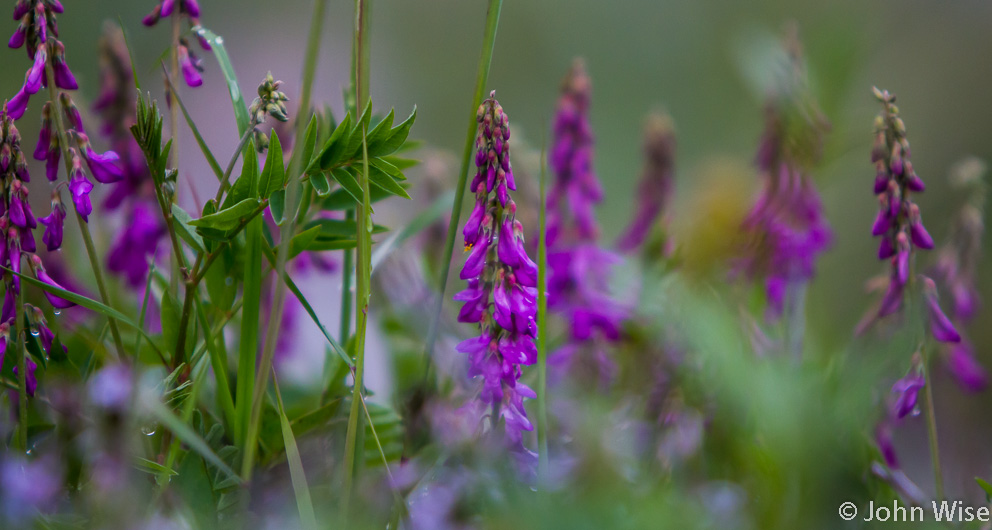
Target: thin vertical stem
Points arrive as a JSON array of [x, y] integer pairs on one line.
[[174, 278], [285, 236], [481, 78], [84, 228], [363, 254], [930, 410], [542, 335], [22, 373]]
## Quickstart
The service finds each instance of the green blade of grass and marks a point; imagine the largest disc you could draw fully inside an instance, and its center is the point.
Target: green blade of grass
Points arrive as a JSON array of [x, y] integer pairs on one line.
[[182, 431], [481, 78], [227, 69], [301, 490]]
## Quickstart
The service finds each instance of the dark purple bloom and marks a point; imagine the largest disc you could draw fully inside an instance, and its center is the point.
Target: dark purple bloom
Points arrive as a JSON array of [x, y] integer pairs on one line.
[[103, 166], [63, 76], [152, 18], [964, 367], [45, 134], [80, 188], [52, 238], [655, 188], [191, 66], [18, 104], [906, 391]]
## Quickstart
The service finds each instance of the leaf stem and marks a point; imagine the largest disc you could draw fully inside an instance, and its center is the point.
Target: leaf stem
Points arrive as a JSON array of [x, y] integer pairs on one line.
[[481, 78], [363, 254], [931, 414]]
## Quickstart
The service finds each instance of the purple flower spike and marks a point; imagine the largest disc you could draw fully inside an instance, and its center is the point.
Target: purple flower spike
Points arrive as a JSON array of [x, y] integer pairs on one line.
[[503, 308], [655, 189]]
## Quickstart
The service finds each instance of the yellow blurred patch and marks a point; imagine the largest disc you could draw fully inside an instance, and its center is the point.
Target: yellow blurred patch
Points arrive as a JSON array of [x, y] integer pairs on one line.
[[710, 213]]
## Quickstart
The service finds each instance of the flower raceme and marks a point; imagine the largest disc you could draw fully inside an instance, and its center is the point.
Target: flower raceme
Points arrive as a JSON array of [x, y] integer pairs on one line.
[[898, 222], [502, 282], [579, 269], [655, 188], [17, 245]]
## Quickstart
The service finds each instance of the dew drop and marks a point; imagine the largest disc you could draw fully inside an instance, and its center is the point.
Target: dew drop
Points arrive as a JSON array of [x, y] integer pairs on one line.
[[57, 312], [219, 40], [229, 281], [915, 412], [148, 430], [35, 333]]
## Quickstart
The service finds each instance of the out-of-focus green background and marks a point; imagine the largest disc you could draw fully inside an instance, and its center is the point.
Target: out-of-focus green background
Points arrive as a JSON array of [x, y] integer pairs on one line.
[[697, 59]]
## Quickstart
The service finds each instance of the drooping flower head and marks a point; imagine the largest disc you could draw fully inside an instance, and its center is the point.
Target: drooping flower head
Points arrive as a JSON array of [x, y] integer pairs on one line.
[[786, 228], [898, 223], [188, 10], [37, 31], [502, 283], [655, 188], [578, 283]]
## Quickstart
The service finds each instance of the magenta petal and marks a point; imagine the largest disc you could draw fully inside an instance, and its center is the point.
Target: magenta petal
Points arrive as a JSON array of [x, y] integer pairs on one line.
[[921, 238], [60, 303], [965, 368]]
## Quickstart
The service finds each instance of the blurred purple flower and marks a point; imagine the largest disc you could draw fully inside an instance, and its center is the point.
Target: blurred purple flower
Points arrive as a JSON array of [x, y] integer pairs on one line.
[[654, 191]]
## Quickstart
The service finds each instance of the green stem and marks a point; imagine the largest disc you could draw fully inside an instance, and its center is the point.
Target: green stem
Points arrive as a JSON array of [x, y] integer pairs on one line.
[[84, 228], [542, 336], [225, 181], [363, 255], [931, 415], [174, 278], [22, 374], [285, 237], [349, 264], [481, 78]]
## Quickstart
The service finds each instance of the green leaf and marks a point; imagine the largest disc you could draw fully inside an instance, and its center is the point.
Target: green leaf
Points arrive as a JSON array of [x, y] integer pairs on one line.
[[388, 168], [226, 68], [400, 163], [336, 228], [322, 245], [348, 182], [246, 186], [277, 205], [382, 130], [385, 182], [320, 184], [228, 218], [300, 488], [182, 431], [397, 136], [340, 199], [302, 241], [153, 468], [986, 487], [334, 148], [310, 141], [273, 175], [183, 229]]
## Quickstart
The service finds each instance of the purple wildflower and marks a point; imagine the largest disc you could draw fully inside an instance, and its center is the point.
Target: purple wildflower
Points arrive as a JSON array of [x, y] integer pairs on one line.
[[191, 66], [655, 189], [54, 222], [498, 267], [786, 226], [579, 270], [898, 222]]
